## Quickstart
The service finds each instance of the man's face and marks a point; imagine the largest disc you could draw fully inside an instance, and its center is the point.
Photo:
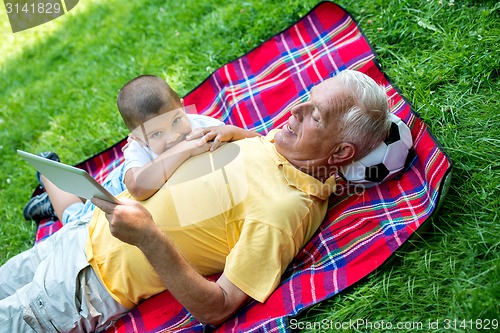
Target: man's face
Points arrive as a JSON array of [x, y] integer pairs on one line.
[[163, 131], [311, 135]]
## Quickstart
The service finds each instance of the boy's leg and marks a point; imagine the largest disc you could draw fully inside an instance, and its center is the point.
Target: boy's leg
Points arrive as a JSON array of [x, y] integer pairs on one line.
[[60, 199], [82, 211]]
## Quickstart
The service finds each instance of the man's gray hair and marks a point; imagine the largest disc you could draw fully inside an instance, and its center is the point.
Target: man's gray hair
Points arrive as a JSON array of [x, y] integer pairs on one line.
[[366, 123]]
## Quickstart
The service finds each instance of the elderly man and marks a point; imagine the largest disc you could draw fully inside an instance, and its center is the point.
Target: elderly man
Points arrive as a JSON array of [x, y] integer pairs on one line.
[[245, 210]]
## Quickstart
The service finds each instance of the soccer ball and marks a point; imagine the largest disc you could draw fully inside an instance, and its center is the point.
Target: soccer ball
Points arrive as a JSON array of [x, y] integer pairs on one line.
[[385, 161]]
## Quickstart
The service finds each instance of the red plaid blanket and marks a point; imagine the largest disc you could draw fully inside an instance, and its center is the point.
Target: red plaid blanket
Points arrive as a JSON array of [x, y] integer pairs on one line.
[[360, 232]]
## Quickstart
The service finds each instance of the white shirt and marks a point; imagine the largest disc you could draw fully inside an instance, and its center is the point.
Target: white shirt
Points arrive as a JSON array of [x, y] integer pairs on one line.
[[137, 155]]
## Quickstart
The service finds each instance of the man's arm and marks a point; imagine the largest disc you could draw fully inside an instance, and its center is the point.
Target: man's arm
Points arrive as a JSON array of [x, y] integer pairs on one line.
[[209, 302]]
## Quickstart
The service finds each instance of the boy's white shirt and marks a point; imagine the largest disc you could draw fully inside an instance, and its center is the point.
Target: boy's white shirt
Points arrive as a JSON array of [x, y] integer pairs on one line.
[[137, 155]]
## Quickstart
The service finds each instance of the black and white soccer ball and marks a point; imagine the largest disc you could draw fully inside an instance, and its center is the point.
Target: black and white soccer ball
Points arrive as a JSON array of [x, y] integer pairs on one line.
[[385, 161]]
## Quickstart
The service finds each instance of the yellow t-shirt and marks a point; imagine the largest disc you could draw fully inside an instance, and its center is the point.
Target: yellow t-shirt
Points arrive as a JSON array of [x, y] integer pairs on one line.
[[242, 209]]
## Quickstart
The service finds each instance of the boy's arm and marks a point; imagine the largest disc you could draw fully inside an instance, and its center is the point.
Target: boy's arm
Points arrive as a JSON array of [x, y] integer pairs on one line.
[[218, 134], [145, 181]]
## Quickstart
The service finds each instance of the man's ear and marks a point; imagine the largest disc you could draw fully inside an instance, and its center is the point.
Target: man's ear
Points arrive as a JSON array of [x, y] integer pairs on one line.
[[342, 154]]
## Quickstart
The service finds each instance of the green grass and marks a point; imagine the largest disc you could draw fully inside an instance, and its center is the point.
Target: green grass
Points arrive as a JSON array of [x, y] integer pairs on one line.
[[60, 80]]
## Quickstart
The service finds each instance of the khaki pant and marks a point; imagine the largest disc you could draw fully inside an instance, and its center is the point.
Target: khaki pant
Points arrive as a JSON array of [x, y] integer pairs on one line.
[[52, 288]]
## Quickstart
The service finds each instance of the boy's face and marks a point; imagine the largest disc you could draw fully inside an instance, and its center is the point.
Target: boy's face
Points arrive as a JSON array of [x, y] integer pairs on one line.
[[163, 131]]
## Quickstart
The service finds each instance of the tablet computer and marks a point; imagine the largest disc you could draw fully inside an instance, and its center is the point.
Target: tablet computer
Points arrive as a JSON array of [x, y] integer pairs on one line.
[[68, 178]]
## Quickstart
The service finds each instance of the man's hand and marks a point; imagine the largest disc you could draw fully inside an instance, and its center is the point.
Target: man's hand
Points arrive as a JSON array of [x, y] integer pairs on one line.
[[129, 221]]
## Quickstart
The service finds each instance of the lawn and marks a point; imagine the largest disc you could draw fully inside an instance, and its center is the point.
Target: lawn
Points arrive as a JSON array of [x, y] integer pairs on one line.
[[60, 80]]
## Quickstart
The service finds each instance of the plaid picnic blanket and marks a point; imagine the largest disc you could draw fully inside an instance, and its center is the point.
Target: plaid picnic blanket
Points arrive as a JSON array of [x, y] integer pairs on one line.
[[360, 231]]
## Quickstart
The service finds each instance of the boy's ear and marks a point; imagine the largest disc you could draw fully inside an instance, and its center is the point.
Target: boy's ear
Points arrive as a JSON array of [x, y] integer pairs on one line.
[[182, 102], [342, 154], [138, 139]]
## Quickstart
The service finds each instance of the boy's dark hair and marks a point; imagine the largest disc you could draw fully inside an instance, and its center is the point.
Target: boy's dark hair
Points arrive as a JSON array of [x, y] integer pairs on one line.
[[144, 98]]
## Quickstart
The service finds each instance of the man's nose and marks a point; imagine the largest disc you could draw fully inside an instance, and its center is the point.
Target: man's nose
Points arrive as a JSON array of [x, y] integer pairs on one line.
[[298, 111]]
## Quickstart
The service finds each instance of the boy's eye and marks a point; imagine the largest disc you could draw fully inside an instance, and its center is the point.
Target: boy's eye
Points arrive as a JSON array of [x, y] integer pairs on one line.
[[156, 134], [176, 121]]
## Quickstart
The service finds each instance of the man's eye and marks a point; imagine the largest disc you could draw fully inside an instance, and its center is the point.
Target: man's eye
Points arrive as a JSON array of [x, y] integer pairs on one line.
[[316, 115]]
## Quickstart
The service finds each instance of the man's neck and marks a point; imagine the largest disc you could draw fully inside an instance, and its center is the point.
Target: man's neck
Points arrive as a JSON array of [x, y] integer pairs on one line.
[[321, 173]]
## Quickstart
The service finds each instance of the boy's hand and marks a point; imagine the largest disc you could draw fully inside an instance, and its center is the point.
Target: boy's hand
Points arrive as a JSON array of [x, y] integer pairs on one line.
[[193, 147], [218, 134]]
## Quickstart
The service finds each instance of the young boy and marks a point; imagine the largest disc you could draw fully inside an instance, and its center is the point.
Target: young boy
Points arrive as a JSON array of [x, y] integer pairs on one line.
[[161, 138]]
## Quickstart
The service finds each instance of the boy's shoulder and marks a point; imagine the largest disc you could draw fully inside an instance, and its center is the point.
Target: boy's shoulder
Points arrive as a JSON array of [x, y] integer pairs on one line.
[[199, 120]]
